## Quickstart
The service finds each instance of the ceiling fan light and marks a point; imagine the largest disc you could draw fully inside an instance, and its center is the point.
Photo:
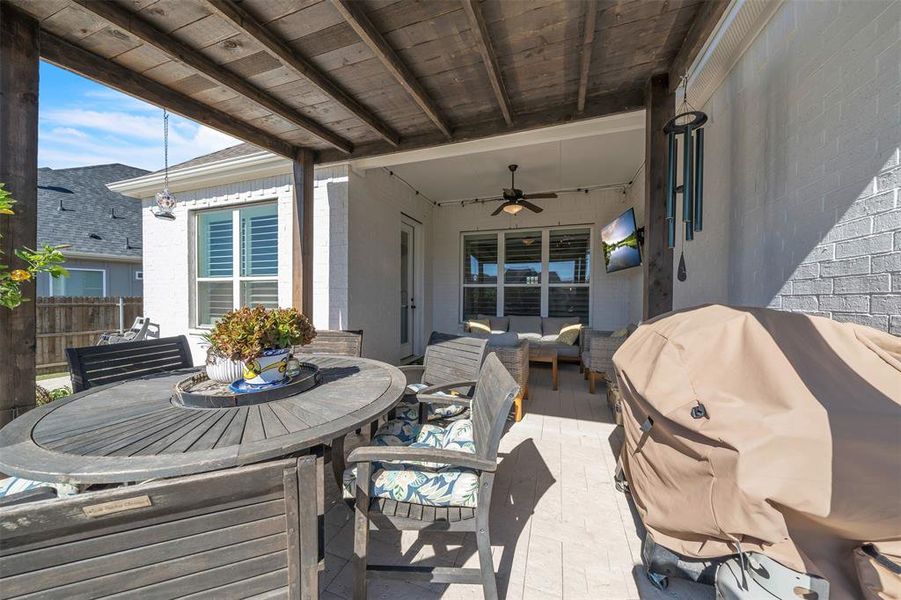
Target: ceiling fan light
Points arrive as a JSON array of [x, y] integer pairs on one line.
[[512, 209]]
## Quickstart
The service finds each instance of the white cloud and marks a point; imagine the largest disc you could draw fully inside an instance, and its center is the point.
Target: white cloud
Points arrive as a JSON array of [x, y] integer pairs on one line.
[[69, 132]]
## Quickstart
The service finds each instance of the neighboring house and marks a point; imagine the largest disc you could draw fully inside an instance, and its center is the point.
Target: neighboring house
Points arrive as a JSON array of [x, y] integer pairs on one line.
[[101, 228]]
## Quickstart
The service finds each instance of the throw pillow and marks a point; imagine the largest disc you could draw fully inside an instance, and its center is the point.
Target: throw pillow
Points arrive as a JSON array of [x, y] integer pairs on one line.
[[622, 332], [569, 334], [479, 325]]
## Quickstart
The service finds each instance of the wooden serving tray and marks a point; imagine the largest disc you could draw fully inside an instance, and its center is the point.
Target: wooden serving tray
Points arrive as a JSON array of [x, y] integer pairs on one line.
[[199, 391]]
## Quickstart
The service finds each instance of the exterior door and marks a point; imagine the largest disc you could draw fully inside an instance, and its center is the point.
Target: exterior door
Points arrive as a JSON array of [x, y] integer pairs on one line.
[[407, 301]]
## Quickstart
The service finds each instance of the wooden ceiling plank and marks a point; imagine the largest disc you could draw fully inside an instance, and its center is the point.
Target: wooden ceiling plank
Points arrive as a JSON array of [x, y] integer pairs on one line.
[[702, 26], [591, 17], [483, 41], [184, 54], [246, 22], [69, 56], [355, 16]]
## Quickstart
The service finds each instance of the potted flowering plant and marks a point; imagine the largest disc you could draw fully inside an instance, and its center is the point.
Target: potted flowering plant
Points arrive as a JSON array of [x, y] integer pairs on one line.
[[259, 340]]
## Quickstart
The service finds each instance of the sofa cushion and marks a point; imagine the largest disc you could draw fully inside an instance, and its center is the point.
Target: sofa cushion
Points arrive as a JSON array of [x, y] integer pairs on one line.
[[523, 324], [532, 337], [498, 324], [553, 325], [478, 326], [506, 340]]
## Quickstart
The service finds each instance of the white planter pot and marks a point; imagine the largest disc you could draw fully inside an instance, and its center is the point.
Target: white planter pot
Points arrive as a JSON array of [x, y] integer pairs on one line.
[[224, 370], [268, 368]]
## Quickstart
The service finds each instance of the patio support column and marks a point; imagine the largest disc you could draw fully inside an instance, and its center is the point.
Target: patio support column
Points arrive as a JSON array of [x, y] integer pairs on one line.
[[19, 54], [302, 229], [658, 258]]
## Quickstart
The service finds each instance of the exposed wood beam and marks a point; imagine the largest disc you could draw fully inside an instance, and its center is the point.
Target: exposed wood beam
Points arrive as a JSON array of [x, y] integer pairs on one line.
[[355, 16], [149, 34], [486, 49], [591, 19], [71, 57], [658, 257], [708, 15], [302, 234], [19, 56], [245, 21], [602, 105]]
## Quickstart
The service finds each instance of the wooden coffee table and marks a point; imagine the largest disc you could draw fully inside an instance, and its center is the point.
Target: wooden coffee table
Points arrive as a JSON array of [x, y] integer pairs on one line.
[[546, 355]]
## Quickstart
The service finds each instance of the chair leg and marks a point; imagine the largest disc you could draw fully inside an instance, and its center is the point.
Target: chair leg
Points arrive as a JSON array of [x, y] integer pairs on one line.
[[483, 538], [361, 530], [592, 376], [517, 408]]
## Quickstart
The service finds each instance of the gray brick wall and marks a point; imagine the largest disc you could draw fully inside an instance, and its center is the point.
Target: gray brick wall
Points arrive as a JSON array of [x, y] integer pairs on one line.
[[855, 273]]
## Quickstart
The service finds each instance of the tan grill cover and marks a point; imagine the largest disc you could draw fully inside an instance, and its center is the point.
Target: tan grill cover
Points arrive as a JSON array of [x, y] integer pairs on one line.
[[800, 455]]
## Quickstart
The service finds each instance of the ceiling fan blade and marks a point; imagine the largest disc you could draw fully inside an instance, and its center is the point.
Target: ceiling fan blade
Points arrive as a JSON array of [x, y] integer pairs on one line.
[[530, 206], [499, 209], [537, 196]]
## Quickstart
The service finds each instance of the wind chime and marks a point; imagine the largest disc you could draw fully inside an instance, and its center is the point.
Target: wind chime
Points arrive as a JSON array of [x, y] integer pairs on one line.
[[689, 124], [165, 201]]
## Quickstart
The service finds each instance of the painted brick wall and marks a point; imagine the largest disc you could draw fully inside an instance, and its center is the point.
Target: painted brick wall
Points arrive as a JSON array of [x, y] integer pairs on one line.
[[802, 172]]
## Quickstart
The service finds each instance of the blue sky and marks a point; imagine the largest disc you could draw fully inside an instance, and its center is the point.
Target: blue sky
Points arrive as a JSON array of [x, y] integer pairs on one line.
[[85, 123]]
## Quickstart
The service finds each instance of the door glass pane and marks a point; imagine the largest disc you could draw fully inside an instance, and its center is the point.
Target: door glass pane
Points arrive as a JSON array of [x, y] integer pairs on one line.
[[214, 299], [522, 257], [79, 283], [522, 300], [259, 293], [568, 302], [480, 258], [570, 256], [404, 286], [479, 301], [214, 244], [259, 240]]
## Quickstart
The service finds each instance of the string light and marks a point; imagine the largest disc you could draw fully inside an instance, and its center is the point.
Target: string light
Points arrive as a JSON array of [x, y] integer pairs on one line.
[[409, 185]]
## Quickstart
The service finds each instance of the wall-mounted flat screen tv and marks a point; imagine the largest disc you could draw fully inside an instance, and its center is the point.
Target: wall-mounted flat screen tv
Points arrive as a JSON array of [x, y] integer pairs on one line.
[[620, 241]]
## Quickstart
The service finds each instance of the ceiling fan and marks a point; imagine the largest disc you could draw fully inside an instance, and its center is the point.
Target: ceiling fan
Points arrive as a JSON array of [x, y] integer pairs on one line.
[[515, 200]]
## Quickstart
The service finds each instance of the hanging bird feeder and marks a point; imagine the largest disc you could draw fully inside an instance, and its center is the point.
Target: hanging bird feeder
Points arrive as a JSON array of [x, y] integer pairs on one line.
[[165, 201]]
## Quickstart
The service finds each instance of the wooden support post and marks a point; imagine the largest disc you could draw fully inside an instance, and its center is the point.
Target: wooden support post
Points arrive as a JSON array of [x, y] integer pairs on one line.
[[658, 258], [19, 54], [302, 228]]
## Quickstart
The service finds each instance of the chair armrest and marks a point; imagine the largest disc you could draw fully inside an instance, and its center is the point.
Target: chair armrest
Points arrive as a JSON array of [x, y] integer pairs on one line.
[[44, 492], [443, 400], [413, 373], [435, 455]]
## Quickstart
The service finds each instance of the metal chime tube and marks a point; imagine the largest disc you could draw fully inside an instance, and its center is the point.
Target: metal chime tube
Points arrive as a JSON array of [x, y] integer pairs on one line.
[[687, 203], [671, 190], [698, 220]]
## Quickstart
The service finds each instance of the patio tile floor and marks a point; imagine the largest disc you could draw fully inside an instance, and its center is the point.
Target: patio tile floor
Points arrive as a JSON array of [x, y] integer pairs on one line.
[[559, 527]]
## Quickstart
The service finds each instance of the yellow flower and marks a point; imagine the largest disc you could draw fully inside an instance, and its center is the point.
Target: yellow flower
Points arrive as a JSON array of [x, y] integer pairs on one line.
[[20, 275]]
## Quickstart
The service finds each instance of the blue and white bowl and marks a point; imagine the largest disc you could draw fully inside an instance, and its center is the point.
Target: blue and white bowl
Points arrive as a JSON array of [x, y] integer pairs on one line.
[[268, 368]]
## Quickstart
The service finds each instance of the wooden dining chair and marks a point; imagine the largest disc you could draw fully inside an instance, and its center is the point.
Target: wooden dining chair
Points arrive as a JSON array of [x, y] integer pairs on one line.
[[339, 342], [452, 480], [237, 533], [451, 364], [91, 366]]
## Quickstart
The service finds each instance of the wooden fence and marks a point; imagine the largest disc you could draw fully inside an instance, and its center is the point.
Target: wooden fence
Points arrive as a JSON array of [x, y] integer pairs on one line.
[[71, 322]]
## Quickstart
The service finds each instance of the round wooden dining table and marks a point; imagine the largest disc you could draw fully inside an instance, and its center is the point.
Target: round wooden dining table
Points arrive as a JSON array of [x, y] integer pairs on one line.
[[133, 430]]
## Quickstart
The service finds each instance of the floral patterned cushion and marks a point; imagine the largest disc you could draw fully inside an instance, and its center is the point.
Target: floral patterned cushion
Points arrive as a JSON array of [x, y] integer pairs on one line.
[[426, 483], [408, 409]]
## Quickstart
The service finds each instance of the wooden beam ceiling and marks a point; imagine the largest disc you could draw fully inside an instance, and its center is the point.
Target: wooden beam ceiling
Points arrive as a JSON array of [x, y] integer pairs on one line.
[[277, 48], [147, 33], [591, 18], [353, 13], [483, 40], [71, 57]]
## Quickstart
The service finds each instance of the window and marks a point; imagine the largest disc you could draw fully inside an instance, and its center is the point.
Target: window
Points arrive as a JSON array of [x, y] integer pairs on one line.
[[546, 272], [237, 260], [80, 282]]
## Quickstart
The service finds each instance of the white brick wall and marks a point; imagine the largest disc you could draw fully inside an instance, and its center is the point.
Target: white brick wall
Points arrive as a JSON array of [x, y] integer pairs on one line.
[[802, 208]]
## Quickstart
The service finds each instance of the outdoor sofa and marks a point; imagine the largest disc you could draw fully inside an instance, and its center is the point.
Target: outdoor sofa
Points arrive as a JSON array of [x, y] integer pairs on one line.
[[542, 333]]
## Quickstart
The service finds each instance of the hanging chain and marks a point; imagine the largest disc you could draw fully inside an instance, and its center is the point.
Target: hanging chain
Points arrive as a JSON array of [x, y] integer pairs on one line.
[[165, 149]]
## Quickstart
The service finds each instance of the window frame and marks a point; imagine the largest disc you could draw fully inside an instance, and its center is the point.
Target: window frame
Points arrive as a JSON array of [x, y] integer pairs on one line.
[[235, 278], [101, 271], [544, 281]]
